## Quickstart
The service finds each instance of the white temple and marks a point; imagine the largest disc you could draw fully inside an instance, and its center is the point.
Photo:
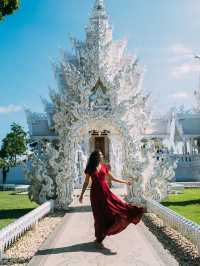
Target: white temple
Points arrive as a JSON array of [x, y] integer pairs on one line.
[[99, 104], [176, 133]]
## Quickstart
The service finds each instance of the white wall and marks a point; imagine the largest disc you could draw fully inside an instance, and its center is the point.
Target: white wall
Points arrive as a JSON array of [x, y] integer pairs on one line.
[[188, 170]]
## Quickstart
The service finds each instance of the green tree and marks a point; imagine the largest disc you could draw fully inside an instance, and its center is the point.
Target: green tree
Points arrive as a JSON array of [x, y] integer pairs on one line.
[[7, 7], [13, 145]]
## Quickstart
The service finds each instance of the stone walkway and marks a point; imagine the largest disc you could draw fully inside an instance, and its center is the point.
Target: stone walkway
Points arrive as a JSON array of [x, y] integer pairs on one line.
[[72, 244]]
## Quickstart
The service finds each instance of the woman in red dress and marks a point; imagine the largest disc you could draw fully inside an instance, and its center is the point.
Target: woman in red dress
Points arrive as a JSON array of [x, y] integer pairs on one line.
[[111, 214]]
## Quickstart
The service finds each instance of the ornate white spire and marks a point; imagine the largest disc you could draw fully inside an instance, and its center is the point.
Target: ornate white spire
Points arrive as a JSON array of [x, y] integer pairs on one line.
[[99, 30], [99, 9]]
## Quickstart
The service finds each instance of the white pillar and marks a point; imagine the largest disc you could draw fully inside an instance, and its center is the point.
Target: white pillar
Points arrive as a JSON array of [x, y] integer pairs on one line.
[[188, 146], [191, 145], [185, 147], [198, 145]]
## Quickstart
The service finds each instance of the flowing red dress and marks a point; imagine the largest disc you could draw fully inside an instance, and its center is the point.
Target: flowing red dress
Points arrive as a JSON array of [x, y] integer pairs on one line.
[[111, 214]]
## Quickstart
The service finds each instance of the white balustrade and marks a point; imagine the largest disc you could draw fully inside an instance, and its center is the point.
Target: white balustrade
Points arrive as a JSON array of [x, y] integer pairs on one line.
[[16, 229], [189, 184], [175, 187], [187, 228], [186, 158], [7, 186]]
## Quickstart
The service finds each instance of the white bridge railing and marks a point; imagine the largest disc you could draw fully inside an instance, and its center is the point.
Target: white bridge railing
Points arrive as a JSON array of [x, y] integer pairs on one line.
[[189, 184], [186, 158], [187, 228], [16, 229]]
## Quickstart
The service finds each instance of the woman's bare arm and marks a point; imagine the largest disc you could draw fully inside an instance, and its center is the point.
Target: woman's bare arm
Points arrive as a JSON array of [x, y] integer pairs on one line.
[[85, 185], [118, 180]]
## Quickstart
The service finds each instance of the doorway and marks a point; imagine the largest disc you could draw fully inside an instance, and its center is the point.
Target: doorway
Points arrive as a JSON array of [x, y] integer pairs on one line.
[[100, 141], [99, 144]]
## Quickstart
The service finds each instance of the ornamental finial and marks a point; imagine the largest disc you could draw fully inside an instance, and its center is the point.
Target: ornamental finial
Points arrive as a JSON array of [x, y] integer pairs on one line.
[[99, 4], [99, 8]]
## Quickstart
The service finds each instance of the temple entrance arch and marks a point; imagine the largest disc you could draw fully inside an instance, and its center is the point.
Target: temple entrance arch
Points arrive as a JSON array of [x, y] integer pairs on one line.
[[107, 136], [83, 138]]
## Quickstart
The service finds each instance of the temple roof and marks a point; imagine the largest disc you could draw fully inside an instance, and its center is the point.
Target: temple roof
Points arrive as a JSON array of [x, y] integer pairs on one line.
[[191, 126], [159, 127], [38, 124], [185, 125]]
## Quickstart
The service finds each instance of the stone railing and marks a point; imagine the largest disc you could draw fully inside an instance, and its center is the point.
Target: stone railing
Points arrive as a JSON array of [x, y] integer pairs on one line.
[[186, 158], [7, 187], [16, 229], [187, 228], [17, 188], [189, 184], [180, 158], [22, 188], [175, 187]]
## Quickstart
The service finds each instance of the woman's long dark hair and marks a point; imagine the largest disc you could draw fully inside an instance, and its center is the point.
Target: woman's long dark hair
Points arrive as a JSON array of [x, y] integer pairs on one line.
[[93, 162]]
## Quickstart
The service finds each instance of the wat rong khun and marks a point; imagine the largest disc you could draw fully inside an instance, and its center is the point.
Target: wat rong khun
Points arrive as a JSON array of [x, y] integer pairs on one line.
[[100, 104]]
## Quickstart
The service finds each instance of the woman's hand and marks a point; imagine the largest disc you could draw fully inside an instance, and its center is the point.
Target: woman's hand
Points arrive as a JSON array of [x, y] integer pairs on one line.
[[129, 183], [118, 180], [81, 199]]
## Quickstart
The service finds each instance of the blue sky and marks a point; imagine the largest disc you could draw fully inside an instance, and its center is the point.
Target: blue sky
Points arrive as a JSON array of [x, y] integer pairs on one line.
[[164, 35]]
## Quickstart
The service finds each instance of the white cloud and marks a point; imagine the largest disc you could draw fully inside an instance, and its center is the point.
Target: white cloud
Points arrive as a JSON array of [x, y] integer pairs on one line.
[[180, 49], [10, 109], [182, 70], [182, 61], [180, 95], [179, 53]]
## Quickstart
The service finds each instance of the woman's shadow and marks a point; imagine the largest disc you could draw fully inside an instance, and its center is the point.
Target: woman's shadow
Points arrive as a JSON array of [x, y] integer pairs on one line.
[[85, 247]]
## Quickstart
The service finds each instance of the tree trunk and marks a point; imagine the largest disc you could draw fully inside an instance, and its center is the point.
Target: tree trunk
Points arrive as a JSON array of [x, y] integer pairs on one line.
[[4, 175], [5, 171]]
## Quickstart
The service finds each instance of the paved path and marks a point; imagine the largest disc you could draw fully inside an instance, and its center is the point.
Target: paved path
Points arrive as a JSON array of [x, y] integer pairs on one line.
[[71, 244]]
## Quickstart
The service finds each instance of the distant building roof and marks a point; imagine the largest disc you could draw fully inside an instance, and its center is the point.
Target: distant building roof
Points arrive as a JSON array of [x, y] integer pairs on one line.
[[157, 127], [191, 126]]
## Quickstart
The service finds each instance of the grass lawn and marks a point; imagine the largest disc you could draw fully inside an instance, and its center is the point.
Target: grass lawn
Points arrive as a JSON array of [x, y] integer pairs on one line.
[[13, 206], [186, 204]]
